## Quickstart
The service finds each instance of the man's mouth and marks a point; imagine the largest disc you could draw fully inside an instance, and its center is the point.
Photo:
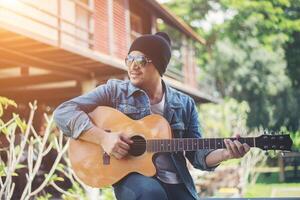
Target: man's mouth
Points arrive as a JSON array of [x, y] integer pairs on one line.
[[135, 74]]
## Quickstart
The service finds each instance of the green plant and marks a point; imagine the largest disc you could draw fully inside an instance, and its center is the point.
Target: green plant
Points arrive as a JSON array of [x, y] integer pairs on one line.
[[296, 140], [35, 147]]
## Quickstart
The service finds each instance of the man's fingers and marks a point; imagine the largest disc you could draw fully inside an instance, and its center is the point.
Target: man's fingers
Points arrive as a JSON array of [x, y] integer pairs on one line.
[[119, 153], [116, 155], [122, 152], [239, 147], [123, 145], [246, 147], [226, 141], [126, 139], [234, 149]]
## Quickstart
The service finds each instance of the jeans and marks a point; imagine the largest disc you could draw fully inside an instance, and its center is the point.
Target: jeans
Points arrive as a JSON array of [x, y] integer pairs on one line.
[[139, 187]]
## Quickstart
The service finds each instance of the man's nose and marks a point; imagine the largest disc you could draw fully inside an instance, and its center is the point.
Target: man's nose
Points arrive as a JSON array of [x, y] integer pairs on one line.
[[134, 65]]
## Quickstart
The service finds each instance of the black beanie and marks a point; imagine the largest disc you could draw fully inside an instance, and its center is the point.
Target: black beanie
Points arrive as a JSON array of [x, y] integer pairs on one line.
[[156, 47]]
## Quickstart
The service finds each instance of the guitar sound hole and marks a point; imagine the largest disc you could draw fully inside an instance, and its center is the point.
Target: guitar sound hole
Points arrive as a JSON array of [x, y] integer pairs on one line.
[[138, 147]]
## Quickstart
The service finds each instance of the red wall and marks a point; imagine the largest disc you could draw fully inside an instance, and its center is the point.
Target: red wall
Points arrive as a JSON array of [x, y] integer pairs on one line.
[[101, 26], [119, 28], [120, 35]]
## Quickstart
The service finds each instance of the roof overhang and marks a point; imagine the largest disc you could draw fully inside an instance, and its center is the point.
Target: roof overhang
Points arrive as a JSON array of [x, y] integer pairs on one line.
[[196, 94], [163, 12]]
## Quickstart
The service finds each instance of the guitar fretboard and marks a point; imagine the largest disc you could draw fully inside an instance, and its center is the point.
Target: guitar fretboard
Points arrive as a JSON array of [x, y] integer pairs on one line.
[[192, 144]]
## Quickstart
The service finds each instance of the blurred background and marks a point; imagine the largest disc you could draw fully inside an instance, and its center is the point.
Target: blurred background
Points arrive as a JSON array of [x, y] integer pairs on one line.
[[238, 59]]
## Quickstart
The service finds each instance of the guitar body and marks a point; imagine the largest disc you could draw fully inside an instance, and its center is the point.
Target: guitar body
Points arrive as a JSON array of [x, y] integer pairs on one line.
[[87, 158]]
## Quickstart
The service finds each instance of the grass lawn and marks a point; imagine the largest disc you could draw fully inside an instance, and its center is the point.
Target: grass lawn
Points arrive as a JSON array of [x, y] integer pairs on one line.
[[267, 185]]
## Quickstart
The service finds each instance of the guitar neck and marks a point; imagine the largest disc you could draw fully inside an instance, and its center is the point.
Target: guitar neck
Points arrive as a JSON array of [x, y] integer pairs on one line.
[[192, 144], [265, 142]]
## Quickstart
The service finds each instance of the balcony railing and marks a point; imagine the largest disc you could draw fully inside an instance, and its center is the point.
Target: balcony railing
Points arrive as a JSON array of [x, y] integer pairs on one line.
[[174, 71], [52, 23], [207, 85]]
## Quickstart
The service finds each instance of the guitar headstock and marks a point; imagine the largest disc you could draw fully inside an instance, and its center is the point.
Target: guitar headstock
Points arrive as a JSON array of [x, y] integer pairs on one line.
[[274, 142]]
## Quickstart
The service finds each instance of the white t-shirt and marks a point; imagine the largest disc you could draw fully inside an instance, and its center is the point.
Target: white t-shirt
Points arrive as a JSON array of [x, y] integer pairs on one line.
[[166, 171]]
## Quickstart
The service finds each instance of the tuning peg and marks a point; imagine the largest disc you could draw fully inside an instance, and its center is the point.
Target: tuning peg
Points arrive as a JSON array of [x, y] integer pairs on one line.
[[267, 153], [267, 132], [281, 132]]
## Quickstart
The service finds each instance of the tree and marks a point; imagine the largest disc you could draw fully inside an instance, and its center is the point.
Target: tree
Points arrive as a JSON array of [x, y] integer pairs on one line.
[[253, 55]]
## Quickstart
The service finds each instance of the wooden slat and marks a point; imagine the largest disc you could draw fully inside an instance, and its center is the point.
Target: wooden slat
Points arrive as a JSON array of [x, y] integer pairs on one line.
[[107, 71], [65, 58], [66, 61], [52, 104], [31, 60], [72, 60], [102, 78], [46, 49], [41, 94], [52, 54], [86, 62], [14, 82], [91, 66], [26, 44], [64, 70], [12, 39], [4, 33], [105, 59], [60, 58], [7, 66]]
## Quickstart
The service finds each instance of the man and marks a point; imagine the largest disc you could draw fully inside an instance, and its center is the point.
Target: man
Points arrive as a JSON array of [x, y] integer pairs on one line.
[[146, 93]]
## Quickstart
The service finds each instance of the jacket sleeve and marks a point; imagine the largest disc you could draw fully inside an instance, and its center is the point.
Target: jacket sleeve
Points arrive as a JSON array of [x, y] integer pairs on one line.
[[196, 158], [72, 116]]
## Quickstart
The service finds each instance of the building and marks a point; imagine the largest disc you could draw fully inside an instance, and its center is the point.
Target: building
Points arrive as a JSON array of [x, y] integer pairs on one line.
[[52, 51]]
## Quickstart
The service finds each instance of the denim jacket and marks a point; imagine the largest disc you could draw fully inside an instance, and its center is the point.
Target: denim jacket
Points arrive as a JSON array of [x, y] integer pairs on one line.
[[180, 111]]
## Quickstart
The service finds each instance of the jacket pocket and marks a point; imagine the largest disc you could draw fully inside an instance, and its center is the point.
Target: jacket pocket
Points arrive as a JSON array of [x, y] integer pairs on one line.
[[129, 110], [178, 129]]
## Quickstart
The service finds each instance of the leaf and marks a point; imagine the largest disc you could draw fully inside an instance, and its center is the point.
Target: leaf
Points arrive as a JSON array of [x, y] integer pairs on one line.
[[54, 178], [21, 123], [2, 169], [20, 166], [60, 167], [15, 174], [4, 129], [6, 102], [59, 179], [45, 197]]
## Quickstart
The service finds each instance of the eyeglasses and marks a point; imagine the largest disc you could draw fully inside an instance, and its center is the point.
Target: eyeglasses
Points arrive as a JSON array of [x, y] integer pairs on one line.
[[139, 60]]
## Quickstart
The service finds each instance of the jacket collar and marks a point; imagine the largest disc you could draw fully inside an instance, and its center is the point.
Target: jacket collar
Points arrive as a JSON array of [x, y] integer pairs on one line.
[[172, 100], [132, 89]]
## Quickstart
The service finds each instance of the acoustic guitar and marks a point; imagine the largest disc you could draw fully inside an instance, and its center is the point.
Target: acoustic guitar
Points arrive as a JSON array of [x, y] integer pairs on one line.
[[150, 135]]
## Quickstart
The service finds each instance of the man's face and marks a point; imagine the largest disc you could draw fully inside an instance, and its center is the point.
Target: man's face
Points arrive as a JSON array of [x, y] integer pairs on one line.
[[140, 69]]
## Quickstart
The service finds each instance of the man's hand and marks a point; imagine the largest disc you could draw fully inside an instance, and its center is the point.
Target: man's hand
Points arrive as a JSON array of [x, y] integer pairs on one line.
[[234, 149], [116, 144]]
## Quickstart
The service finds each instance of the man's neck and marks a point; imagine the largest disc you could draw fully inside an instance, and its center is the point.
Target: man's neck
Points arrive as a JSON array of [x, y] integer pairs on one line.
[[154, 91]]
